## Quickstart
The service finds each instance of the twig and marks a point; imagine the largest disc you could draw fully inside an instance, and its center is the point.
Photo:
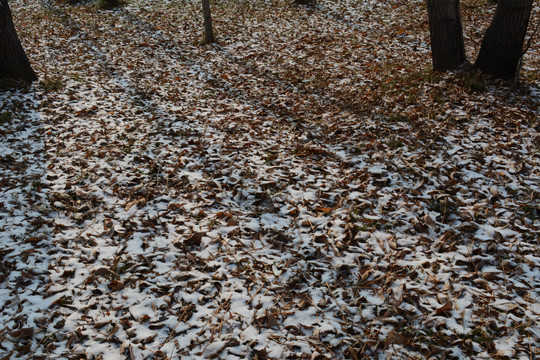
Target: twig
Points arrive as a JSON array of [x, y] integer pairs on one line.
[[287, 264], [180, 319], [38, 345], [258, 291], [215, 313]]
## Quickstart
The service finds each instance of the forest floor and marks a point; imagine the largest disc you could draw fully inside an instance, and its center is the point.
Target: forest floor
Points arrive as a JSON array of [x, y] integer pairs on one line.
[[305, 189]]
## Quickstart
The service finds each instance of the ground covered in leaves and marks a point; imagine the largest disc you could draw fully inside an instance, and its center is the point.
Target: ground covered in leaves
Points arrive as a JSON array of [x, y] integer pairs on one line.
[[305, 189]]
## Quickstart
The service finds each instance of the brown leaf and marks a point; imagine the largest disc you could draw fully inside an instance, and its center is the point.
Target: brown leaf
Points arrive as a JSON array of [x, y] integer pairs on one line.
[[352, 353], [428, 220], [60, 324], [114, 330], [490, 276], [261, 354], [104, 272], [130, 204], [25, 333], [160, 355], [445, 308], [33, 240], [224, 215], [99, 325], [469, 227], [140, 202], [26, 275], [175, 206], [303, 304], [395, 338], [193, 240], [268, 321], [116, 285], [498, 237], [149, 339], [201, 214], [58, 301], [24, 349], [89, 280]]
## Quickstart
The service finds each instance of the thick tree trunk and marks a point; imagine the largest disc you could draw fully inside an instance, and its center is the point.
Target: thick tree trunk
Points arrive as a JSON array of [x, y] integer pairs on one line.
[[447, 49], [502, 45], [13, 61], [108, 4], [208, 31]]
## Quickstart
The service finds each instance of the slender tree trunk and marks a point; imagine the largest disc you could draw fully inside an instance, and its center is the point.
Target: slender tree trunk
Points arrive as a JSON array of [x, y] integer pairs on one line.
[[208, 31], [447, 48], [502, 45], [13, 61]]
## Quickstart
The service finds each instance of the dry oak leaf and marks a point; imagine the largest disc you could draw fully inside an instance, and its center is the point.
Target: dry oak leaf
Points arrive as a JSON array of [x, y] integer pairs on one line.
[[194, 240], [116, 285], [445, 308], [323, 209], [395, 338], [25, 333], [104, 272]]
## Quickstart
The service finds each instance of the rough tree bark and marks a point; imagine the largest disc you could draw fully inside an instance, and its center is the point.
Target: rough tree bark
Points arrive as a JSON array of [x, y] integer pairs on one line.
[[208, 31], [447, 47], [13, 61], [502, 45]]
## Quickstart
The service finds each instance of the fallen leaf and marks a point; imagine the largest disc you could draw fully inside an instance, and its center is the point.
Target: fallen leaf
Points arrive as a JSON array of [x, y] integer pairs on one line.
[[445, 308], [116, 285], [25, 333], [193, 240], [103, 271], [395, 338]]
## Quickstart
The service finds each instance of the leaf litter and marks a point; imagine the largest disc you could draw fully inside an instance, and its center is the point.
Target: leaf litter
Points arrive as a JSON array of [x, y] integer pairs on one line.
[[305, 189]]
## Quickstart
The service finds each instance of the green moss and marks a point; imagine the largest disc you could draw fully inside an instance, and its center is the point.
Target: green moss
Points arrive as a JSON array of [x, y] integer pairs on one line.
[[54, 83], [472, 82]]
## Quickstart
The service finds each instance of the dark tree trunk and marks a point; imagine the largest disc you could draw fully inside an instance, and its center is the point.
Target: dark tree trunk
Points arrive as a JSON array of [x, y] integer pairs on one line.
[[208, 31], [447, 49], [502, 45], [13, 61], [108, 4]]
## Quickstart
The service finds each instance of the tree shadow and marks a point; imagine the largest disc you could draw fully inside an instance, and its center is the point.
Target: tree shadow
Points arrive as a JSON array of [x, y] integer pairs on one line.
[[24, 259]]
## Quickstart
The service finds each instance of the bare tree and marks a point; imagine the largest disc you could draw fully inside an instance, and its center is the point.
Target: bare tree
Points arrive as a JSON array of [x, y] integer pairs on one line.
[[502, 46], [208, 30], [108, 4], [447, 47], [13, 61]]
